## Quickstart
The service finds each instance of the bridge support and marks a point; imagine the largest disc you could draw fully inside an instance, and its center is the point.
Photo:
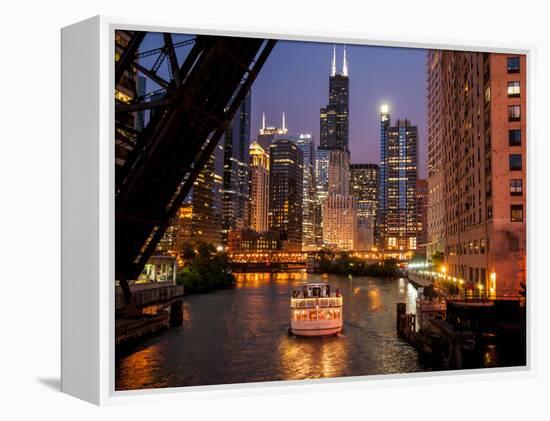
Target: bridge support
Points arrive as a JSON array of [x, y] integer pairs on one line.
[[197, 105], [176, 313]]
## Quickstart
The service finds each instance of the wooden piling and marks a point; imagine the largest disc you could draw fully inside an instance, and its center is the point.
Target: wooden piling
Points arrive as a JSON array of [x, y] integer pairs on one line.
[[176, 313]]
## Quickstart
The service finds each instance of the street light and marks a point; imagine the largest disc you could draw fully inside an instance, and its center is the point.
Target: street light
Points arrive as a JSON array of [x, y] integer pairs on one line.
[[493, 278]]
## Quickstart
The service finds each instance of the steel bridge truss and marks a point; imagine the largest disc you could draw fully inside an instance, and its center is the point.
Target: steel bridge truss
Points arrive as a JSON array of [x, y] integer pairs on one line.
[[188, 114]]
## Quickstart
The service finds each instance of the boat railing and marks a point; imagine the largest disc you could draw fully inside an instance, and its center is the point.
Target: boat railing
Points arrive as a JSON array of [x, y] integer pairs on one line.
[[314, 302]]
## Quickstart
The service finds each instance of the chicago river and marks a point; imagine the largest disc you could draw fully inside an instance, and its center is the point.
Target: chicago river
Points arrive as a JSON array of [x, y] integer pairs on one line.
[[241, 335]]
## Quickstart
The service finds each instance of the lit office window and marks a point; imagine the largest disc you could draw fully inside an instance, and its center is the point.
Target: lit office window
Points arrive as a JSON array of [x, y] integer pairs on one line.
[[514, 113], [513, 89], [516, 187], [516, 213]]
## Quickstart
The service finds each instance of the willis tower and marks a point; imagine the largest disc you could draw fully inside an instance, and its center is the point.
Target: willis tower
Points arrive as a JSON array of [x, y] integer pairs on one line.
[[335, 116]]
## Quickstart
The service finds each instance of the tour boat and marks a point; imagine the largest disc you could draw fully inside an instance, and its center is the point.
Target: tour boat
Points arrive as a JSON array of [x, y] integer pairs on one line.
[[316, 310]]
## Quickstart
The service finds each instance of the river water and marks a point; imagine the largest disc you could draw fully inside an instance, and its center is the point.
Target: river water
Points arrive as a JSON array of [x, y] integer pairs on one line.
[[241, 335]]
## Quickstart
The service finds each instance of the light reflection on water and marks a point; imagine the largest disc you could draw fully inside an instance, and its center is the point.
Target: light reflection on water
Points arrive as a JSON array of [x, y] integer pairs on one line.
[[241, 335]]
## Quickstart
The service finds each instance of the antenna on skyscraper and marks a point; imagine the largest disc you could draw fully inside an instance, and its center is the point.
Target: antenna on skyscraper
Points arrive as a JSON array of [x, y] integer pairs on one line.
[[263, 121], [333, 68], [284, 123], [345, 64]]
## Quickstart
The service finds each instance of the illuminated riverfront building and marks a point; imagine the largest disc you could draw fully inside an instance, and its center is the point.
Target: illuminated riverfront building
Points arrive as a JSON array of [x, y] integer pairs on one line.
[[364, 187], [259, 188], [340, 222], [236, 144], [250, 241], [306, 143], [398, 174], [285, 192], [436, 173], [482, 151], [268, 134], [339, 208]]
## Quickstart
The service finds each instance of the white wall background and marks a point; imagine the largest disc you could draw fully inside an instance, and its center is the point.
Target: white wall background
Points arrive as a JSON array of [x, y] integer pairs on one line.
[[30, 221]]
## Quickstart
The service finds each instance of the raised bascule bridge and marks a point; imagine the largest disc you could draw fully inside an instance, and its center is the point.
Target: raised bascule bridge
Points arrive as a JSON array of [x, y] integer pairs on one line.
[[164, 137]]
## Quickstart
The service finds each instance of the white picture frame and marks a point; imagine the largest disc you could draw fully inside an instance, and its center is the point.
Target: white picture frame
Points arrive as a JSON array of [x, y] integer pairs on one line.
[[88, 212]]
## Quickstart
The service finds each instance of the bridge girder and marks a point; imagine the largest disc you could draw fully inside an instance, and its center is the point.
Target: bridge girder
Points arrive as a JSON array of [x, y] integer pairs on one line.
[[165, 157]]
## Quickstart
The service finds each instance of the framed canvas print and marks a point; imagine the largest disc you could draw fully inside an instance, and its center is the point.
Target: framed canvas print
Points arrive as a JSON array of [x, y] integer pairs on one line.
[[253, 209]]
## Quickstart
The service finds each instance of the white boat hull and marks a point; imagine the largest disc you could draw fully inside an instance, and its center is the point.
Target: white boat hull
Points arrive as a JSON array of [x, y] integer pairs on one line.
[[316, 328]]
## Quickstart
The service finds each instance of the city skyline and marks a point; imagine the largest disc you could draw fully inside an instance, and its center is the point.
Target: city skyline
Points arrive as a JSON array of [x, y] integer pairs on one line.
[[375, 79]]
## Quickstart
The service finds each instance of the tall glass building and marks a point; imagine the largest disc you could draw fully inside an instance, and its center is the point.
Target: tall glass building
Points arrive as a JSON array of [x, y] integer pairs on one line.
[[398, 175], [322, 157], [305, 142], [235, 194], [334, 130], [364, 180], [285, 192]]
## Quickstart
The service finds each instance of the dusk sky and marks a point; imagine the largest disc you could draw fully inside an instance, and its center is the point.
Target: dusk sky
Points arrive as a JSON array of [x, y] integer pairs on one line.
[[295, 80]]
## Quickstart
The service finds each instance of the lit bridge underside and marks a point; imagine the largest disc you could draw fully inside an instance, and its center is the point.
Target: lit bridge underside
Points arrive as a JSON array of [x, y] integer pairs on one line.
[[282, 257], [195, 104]]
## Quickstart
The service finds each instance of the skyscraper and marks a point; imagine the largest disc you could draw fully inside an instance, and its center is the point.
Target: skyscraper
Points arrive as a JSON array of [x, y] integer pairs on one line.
[[199, 217], [364, 179], [481, 152], [339, 208], [306, 143], [268, 134], [436, 174], [398, 174], [382, 188], [339, 212], [335, 116], [321, 179], [285, 192], [340, 222], [236, 144], [259, 188], [338, 172]]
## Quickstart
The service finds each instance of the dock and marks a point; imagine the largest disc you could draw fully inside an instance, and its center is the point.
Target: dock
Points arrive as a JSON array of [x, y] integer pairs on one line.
[[157, 305]]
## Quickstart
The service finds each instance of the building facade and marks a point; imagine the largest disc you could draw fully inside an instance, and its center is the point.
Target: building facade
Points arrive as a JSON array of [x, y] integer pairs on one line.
[[422, 214], [236, 144], [125, 92], [436, 173], [484, 150], [200, 215], [285, 192], [364, 179], [250, 241], [340, 222], [305, 142], [339, 208], [338, 172], [398, 175], [259, 188], [321, 179]]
